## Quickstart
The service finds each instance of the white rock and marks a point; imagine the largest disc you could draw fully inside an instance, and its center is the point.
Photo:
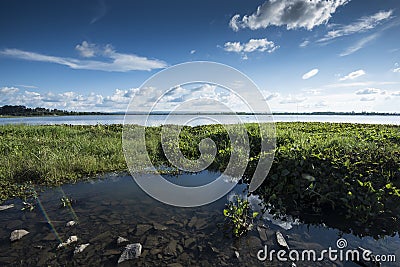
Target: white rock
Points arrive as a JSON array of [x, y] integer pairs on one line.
[[6, 207], [18, 234], [70, 240], [132, 251], [121, 239], [70, 223], [80, 248], [237, 254]]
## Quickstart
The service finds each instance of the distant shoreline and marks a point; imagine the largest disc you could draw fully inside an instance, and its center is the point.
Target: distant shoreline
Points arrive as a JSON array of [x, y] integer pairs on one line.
[[22, 111]]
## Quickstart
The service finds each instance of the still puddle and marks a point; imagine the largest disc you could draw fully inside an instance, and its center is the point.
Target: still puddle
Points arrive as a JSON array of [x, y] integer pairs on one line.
[[108, 208]]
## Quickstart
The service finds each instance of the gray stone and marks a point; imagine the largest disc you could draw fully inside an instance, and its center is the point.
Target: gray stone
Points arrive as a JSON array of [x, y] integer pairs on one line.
[[132, 251], [142, 228], [121, 240], [18, 234], [189, 242], [170, 249], [159, 227]]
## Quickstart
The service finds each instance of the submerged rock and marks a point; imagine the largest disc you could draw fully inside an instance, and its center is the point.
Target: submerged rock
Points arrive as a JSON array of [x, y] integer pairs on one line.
[[159, 227], [80, 248], [70, 223], [6, 207], [262, 233], [121, 240], [281, 240], [18, 234], [132, 251], [70, 240], [142, 228]]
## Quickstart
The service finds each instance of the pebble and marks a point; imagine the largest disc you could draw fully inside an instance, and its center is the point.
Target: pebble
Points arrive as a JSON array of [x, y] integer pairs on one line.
[[18, 234]]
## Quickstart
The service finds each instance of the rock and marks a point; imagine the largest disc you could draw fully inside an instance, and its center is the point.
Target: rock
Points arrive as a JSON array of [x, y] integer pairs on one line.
[[253, 242], [111, 252], [262, 233], [151, 241], [80, 248], [281, 240], [132, 251], [142, 228], [101, 237], [237, 254], [189, 242], [192, 222], [159, 227], [6, 207], [50, 237], [200, 223], [18, 234], [175, 264], [170, 249], [70, 223], [121, 240], [155, 251], [70, 240]]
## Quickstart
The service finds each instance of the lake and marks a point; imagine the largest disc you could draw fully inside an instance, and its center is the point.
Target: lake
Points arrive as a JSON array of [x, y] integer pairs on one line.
[[156, 120], [170, 236]]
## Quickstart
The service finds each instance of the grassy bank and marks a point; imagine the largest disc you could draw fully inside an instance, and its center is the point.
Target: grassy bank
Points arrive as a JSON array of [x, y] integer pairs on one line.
[[319, 169]]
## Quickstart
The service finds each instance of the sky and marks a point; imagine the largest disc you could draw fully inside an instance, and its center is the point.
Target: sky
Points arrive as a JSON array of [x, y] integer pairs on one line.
[[304, 55]]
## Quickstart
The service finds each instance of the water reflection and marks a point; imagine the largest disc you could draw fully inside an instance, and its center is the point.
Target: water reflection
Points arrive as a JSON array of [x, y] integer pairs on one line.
[[115, 206]]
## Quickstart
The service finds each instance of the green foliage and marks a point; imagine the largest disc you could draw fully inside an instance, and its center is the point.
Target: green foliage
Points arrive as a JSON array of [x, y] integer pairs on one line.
[[238, 216], [319, 169], [66, 202]]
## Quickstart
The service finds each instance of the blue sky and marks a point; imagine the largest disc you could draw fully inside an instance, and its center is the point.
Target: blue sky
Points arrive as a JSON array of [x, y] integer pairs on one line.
[[317, 55]]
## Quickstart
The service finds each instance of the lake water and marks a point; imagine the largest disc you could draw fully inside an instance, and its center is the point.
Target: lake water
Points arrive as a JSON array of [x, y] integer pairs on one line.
[[169, 235], [155, 120]]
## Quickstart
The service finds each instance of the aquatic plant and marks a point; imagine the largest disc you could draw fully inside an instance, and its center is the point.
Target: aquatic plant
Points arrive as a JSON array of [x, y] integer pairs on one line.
[[238, 216]]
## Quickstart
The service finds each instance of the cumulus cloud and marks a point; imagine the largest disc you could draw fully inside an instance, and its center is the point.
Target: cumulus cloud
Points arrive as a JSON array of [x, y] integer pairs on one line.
[[290, 13], [353, 75], [112, 60], [192, 52], [361, 25], [396, 70], [253, 45], [368, 91], [8, 90], [116, 101], [310, 74], [86, 49]]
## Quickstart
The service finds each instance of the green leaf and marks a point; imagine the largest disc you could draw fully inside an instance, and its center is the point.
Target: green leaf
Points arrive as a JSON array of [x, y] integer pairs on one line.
[[255, 214]]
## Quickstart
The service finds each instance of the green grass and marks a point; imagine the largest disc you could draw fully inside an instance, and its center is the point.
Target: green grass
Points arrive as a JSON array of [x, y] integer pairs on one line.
[[320, 169]]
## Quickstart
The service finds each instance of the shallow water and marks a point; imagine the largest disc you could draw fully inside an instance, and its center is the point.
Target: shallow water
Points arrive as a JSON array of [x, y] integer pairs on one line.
[[115, 206]]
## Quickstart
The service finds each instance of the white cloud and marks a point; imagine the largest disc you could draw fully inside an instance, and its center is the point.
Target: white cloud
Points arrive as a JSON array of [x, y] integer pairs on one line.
[[305, 43], [396, 70], [359, 44], [368, 91], [310, 74], [290, 13], [367, 98], [292, 99], [396, 93], [192, 52], [112, 60], [353, 75], [253, 45], [8, 90], [86, 49], [363, 24]]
